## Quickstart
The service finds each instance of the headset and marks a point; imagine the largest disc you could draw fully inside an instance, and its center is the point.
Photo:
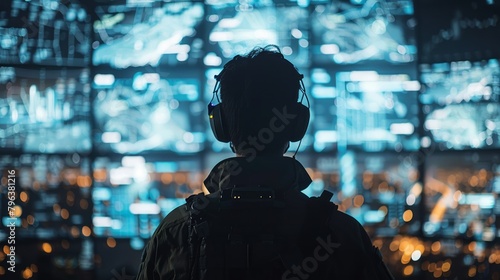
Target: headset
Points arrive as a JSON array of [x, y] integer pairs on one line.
[[298, 125]]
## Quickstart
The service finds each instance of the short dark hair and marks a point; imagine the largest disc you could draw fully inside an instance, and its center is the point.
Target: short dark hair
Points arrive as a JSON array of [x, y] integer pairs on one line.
[[252, 85]]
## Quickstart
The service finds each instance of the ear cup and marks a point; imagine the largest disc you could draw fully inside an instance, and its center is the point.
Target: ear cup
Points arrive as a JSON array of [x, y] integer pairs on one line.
[[301, 122], [215, 115]]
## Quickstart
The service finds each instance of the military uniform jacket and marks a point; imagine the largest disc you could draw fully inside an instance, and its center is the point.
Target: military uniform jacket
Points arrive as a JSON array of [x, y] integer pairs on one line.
[[344, 251]]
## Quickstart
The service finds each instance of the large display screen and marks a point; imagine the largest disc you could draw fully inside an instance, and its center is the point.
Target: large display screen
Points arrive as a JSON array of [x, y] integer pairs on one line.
[[45, 33], [353, 32], [377, 111], [452, 30], [382, 191], [131, 195], [237, 27], [462, 196], [461, 104], [44, 110], [52, 195], [138, 110], [147, 33]]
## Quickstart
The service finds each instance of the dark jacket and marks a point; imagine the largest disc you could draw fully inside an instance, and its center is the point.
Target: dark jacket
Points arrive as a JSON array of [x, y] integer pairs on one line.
[[345, 252]]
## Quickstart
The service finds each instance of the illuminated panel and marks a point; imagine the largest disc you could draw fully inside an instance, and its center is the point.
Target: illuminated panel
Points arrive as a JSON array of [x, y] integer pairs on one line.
[[349, 32], [44, 33], [461, 103], [458, 30], [462, 196], [236, 28], [132, 195], [44, 110], [141, 33], [324, 110], [380, 190], [377, 112], [144, 111], [52, 195]]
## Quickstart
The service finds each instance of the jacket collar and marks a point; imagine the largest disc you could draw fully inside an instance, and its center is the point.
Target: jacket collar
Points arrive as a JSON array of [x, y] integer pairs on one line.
[[279, 173]]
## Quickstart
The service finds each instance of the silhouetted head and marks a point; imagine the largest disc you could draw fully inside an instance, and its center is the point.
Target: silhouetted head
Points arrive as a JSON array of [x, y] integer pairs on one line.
[[259, 93]]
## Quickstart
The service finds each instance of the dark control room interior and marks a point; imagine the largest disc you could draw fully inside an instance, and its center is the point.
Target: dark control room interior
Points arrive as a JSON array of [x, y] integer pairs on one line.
[[104, 129]]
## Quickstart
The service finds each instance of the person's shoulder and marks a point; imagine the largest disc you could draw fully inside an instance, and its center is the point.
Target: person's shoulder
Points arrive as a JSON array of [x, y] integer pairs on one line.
[[343, 221], [176, 218], [350, 231], [340, 217]]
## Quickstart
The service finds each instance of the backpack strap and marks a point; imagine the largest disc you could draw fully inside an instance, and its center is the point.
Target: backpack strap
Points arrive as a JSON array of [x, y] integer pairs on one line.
[[320, 209], [319, 212]]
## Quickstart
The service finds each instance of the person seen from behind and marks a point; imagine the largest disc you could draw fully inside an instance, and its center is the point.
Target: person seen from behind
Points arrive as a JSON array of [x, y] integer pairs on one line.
[[255, 222]]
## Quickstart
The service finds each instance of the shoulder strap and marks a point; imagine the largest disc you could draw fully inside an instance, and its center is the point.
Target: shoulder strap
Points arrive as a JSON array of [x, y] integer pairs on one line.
[[319, 209], [317, 232]]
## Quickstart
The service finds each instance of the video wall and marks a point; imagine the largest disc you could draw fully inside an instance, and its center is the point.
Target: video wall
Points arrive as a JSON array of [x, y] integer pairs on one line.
[[103, 117]]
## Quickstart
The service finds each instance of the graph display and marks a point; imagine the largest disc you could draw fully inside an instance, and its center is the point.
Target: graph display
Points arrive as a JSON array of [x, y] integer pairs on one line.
[[138, 111], [452, 30], [35, 32], [461, 103], [147, 33], [237, 27], [353, 32], [131, 195], [462, 196], [377, 111], [53, 195], [44, 110]]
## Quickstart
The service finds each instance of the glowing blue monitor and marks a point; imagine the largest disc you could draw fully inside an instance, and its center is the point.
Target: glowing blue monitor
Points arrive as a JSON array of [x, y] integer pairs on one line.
[[377, 111], [461, 102], [131, 195], [44, 111], [147, 33], [237, 27], [352, 32], [45, 33], [148, 111]]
